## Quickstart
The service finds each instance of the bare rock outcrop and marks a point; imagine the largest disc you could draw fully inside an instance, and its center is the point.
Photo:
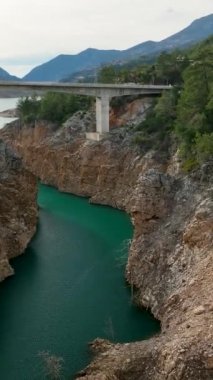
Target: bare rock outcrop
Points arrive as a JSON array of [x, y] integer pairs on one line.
[[18, 210], [170, 263]]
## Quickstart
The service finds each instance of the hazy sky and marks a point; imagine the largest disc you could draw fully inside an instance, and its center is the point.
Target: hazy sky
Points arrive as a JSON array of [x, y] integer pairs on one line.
[[34, 31]]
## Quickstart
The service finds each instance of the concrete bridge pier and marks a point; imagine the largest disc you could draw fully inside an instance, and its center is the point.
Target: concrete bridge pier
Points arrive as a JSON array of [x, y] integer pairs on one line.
[[102, 114], [102, 118]]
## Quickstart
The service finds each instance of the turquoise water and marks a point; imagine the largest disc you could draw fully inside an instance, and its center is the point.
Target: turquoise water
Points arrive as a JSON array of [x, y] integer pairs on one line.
[[68, 289]]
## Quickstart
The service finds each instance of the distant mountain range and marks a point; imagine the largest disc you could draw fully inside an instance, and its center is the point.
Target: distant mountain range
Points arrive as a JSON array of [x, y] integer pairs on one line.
[[4, 75], [64, 66]]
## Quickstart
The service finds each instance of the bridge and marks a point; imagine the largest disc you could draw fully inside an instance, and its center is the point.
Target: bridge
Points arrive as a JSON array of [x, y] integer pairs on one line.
[[102, 92]]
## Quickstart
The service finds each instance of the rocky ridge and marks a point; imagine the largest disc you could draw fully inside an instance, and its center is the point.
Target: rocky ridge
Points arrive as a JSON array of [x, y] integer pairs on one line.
[[170, 263], [18, 210]]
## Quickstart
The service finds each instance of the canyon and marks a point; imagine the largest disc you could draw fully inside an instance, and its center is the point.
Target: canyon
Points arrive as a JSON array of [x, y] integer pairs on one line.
[[170, 261]]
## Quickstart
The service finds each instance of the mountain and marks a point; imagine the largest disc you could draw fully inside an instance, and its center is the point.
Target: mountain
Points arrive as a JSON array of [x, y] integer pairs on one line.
[[64, 66], [197, 31], [4, 75]]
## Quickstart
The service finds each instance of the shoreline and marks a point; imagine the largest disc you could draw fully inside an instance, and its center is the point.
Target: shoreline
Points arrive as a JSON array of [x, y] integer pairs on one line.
[[9, 113]]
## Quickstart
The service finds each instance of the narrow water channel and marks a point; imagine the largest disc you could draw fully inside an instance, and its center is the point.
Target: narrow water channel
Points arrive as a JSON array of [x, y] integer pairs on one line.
[[68, 289]]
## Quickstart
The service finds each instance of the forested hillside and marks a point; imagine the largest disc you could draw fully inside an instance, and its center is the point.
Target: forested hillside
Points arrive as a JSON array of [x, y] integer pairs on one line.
[[184, 114]]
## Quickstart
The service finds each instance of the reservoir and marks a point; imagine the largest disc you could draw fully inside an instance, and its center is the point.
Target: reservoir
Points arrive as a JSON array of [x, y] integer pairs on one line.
[[68, 289], [7, 104]]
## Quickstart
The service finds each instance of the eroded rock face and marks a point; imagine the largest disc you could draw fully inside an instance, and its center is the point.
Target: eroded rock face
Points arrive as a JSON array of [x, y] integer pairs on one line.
[[170, 263], [18, 210]]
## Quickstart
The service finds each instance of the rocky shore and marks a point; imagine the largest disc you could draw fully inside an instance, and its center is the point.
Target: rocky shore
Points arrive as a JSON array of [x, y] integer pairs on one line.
[[170, 263], [9, 113], [18, 210]]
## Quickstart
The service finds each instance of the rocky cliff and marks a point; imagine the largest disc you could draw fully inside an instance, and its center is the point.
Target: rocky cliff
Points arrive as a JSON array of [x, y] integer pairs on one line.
[[18, 211], [171, 256]]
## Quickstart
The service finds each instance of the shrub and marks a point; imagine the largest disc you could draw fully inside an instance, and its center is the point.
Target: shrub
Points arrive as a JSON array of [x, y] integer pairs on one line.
[[189, 164], [204, 147]]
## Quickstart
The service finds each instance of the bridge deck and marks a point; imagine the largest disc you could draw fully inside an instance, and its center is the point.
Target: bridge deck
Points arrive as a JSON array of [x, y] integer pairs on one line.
[[90, 89]]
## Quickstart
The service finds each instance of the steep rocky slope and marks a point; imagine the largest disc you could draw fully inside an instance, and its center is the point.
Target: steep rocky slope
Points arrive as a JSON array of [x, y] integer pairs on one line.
[[170, 263], [18, 210]]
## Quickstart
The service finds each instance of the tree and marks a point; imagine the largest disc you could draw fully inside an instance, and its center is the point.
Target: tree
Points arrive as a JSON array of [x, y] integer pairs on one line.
[[28, 108], [55, 107], [195, 107], [166, 105], [108, 74], [170, 66]]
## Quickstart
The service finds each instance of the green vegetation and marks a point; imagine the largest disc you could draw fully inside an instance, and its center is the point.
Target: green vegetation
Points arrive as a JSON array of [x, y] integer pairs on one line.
[[28, 108], [194, 122], [184, 114], [167, 68], [155, 131], [55, 107]]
